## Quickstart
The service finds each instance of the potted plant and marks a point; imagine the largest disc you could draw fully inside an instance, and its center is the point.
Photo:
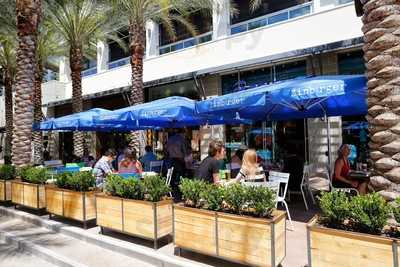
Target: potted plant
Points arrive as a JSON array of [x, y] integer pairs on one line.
[[72, 196], [28, 190], [236, 223], [7, 173], [136, 207], [351, 232]]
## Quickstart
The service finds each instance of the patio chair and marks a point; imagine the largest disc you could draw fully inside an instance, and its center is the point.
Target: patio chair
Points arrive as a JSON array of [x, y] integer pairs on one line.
[[312, 182], [283, 180], [347, 190], [169, 178], [156, 166]]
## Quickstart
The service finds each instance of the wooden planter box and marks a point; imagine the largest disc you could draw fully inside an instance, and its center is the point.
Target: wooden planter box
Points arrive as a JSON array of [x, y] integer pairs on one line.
[[333, 248], [70, 204], [5, 190], [148, 220], [242, 239], [28, 195]]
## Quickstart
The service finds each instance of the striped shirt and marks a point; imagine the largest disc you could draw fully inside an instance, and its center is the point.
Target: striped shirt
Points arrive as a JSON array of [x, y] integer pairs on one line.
[[246, 177]]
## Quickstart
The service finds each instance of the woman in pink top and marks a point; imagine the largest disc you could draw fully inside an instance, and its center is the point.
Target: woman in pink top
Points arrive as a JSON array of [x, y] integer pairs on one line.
[[130, 164]]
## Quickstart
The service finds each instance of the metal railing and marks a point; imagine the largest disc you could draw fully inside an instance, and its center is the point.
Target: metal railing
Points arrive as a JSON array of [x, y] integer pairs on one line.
[[199, 39], [118, 63], [88, 72], [269, 19]]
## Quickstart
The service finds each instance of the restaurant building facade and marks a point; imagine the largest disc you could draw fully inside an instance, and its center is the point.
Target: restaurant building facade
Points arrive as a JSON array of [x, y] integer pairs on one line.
[[279, 41]]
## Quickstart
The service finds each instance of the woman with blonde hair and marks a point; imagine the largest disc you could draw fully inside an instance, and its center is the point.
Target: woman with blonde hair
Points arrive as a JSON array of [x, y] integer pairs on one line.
[[130, 164], [250, 170]]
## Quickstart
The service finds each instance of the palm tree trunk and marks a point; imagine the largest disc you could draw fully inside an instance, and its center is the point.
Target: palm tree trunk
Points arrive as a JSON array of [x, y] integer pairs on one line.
[[28, 19], [137, 50], [76, 57], [37, 136], [382, 55], [9, 116]]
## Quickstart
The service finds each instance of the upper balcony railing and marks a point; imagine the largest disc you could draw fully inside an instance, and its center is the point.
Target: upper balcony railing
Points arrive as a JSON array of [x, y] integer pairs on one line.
[[88, 72], [118, 63], [269, 19], [199, 39]]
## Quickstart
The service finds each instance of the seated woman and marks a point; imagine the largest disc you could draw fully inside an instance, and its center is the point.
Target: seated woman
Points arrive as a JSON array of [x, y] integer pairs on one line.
[[250, 170], [342, 169], [130, 164]]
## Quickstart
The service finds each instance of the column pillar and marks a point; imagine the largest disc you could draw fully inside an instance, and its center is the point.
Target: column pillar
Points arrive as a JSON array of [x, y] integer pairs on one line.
[[221, 19], [102, 56], [152, 39], [64, 70]]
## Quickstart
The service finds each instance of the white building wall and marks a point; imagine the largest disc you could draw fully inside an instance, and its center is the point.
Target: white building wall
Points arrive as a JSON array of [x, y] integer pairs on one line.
[[325, 26]]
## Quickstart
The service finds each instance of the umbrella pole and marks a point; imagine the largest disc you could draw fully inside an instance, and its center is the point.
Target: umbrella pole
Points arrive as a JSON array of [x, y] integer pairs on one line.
[[273, 140], [328, 131]]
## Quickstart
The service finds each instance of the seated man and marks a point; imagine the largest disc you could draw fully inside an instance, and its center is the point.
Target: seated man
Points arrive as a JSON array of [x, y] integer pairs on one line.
[[148, 157]]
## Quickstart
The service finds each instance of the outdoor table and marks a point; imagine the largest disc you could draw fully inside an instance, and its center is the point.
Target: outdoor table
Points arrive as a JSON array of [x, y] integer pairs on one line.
[[144, 174], [127, 175], [360, 175]]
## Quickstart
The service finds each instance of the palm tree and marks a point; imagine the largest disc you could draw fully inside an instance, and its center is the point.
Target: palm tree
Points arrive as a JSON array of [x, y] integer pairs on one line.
[[48, 46], [28, 16], [8, 43], [80, 24], [137, 13], [382, 55]]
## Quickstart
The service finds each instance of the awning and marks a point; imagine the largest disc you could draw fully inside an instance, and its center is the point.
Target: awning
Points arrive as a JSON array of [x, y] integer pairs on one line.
[[309, 97]]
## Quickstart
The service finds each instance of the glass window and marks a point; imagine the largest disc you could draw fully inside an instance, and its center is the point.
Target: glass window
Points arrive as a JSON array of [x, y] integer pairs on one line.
[[115, 50], [201, 21], [291, 70], [185, 88], [245, 80], [88, 63], [351, 63], [266, 7], [355, 134]]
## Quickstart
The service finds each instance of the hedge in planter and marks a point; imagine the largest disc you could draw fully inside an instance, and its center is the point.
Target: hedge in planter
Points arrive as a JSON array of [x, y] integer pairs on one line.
[[349, 232], [7, 173], [72, 196], [236, 223], [136, 207], [29, 190]]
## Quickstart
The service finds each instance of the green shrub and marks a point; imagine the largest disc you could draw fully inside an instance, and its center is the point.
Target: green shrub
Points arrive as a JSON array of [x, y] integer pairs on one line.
[[155, 188], [33, 175], [7, 172], [261, 201], [62, 179], [335, 208], [213, 196], [191, 191], [113, 183], [396, 210], [22, 171], [130, 188], [236, 198], [369, 213], [81, 181]]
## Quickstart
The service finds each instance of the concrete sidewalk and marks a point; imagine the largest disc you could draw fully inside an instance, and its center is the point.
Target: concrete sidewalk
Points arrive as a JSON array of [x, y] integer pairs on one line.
[[12, 256]]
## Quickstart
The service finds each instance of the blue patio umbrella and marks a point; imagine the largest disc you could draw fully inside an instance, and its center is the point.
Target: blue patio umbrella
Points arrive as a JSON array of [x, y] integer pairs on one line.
[[357, 126], [341, 95], [305, 97], [170, 112], [82, 121]]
